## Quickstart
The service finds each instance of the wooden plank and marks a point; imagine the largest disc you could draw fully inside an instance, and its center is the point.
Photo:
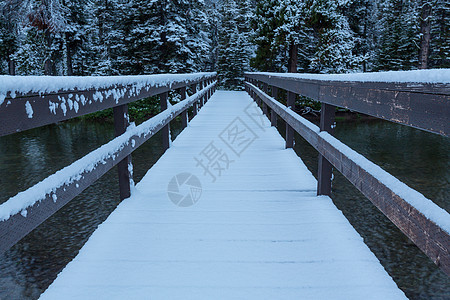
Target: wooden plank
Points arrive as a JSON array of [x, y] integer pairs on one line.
[[425, 106], [426, 234]]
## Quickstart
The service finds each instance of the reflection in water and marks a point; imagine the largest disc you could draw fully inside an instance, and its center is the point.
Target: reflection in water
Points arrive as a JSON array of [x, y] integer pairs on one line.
[[419, 159]]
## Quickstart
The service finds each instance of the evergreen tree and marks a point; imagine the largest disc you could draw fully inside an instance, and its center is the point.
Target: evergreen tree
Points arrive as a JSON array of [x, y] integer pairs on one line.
[[8, 37], [267, 53], [234, 45], [398, 35], [440, 35], [361, 15]]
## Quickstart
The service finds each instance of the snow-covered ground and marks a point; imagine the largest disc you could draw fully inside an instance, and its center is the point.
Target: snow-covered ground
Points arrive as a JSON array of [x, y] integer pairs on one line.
[[256, 230]]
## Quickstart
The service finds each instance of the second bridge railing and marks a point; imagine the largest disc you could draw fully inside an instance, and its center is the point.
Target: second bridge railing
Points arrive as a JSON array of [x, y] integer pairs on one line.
[[424, 106]]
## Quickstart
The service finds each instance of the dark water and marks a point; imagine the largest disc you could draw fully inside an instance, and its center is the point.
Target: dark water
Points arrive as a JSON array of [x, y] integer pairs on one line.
[[419, 159]]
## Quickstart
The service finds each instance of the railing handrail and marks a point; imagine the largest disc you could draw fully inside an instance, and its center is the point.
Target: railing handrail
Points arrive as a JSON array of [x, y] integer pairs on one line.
[[422, 221], [50, 101], [22, 213], [423, 105]]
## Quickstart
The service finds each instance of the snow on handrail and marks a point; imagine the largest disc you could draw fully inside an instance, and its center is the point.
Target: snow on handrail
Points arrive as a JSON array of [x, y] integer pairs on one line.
[[414, 76], [11, 86]]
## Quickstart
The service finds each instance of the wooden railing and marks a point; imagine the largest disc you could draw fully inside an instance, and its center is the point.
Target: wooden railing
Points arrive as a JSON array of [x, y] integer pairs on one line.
[[423, 106], [25, 211]]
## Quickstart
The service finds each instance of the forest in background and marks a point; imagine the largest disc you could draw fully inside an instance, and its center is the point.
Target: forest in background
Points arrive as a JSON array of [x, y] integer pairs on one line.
[[122, 37]]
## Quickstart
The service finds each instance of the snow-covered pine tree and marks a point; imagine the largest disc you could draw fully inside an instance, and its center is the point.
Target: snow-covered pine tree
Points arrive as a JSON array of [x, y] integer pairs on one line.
[[234, 45], [361, 16], [105, 43], [214, 19], [335, 41], [8, 37], [267, 52], [440, 35], [75, 37], [168, 36], [398, 35]]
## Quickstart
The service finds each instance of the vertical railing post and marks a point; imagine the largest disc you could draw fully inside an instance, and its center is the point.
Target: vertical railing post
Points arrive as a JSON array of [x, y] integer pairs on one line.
[[327, 117], [124, 167], [258, 100], [195, 105], [166, 129], [264, 105], [202, 98], [289, 129], [273, 114], [184, 114]]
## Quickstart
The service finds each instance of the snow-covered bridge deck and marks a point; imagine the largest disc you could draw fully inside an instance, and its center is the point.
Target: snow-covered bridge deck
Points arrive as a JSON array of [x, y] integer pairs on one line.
[[257, 231]]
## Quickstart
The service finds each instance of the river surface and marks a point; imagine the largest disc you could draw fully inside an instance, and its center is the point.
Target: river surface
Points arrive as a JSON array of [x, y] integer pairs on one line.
[[420, 159]]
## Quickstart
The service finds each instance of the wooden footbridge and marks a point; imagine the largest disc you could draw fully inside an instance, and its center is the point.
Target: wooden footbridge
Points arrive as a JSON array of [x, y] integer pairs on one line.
[[229, 211]]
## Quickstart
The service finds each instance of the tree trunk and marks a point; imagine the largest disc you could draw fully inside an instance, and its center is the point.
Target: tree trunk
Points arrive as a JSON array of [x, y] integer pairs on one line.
[[425, 29], [48, 65], [11, 67], [293, 58], [69, 56]]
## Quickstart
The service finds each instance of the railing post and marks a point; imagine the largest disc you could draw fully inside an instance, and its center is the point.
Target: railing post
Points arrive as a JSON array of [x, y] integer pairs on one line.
[[327, 117], [195, 105], [202, 98], [289, 129], [184, 114], [273, 114], [124, 167], [264, 105], [258, 100], [166, 129]]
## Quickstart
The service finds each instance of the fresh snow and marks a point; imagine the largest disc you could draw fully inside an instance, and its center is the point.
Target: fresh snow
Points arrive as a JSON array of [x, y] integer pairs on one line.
[[257, 232], [414, 76], [14, 85], [424, 205], [29, 109], [71, 173]]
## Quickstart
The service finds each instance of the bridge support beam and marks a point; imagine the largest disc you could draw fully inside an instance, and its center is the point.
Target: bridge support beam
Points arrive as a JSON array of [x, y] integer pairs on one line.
[[124, 167], [165, 131], [289, 129], [327, 118]]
